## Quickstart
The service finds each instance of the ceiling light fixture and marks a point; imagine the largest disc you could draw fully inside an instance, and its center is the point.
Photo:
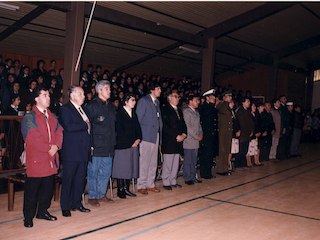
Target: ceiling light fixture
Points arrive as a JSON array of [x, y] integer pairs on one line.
[[9, 6], [189, 49]]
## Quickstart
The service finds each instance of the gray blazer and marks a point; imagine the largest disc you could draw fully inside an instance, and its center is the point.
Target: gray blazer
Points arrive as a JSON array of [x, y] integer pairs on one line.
[[192, 120], [150, 122]]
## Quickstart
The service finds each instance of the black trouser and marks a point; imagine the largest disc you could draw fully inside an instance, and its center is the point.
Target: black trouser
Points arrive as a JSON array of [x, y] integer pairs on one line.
[[73, 183], [281, 149], [37, 196], [206, 164], [264, 147], [288, 144], [241, 160]]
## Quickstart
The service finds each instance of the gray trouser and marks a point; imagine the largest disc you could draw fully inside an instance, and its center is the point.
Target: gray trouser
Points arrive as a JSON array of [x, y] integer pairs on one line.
[[189, 164], [170, 169], [295, 141], [148, 163], [273, 150]]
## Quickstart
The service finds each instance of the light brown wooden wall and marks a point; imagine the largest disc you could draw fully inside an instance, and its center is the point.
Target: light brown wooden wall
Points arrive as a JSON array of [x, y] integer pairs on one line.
[[289, 83]]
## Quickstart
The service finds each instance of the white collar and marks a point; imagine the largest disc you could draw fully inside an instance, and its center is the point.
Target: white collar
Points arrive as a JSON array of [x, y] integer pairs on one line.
[[153, 99], [42, 110], [128, 110], [174, 107], [75, 105]]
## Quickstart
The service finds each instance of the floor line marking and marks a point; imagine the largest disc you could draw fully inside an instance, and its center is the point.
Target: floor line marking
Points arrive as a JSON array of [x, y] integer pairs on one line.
[[189, 200], [212, 206], [260, 208]]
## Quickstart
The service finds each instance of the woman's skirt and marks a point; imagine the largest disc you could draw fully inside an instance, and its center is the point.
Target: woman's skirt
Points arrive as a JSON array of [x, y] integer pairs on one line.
[[126, 163], [253, 147]]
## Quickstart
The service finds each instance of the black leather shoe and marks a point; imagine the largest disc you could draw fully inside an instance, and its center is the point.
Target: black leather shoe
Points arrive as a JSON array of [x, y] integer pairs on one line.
[[66, 213], [198, 181], [28, 223], [207, 177], [82, 209], [176, 186], [121, 194], [128, 193], [189, 182], [167, 187], [47, 216]]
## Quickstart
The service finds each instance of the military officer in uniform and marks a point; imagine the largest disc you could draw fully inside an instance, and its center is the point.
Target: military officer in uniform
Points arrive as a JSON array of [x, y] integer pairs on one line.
[[209, 145], [225, 133]]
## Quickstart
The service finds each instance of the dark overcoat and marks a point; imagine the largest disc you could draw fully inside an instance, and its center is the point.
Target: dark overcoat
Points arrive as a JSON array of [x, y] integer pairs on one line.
[[76, 139], [172, 127], [209, 124]]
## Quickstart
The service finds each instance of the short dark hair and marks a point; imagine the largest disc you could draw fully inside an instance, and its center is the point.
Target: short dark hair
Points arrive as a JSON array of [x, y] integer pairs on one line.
[[14, 97], [128, 96], [275, 100], [40, 61], [245, 99], [259, 104], [38, 89], [153, 85], [191, 97]]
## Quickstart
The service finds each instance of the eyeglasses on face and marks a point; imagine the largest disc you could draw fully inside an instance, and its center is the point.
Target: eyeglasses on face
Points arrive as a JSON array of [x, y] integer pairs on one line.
[[176, 96]]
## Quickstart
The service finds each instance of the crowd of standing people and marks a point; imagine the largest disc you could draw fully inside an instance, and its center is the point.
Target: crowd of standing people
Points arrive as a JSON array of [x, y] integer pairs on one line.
[[116, 125]]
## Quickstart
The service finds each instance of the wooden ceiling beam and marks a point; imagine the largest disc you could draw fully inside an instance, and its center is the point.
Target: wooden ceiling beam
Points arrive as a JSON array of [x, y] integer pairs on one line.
[[149, 56], [224, 28], [245, 19], [22, 21], [299, 47], [59, 6], [125, 20]]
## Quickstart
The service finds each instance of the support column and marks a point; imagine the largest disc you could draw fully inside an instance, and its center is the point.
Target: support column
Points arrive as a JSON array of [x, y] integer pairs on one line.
[[273, 83], [208, 60], [309, 90], [74, 34]]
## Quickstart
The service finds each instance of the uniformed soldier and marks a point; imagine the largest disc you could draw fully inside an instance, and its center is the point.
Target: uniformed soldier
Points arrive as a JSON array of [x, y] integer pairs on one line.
[[225, 134], [209, 146]]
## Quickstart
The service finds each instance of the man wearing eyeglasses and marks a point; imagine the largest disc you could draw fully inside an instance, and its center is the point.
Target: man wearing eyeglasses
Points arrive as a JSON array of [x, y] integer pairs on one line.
[[191, 143], [173, 133]]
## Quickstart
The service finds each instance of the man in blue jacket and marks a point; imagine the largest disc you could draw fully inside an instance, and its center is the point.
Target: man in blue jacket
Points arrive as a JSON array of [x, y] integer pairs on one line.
[[149, 116]]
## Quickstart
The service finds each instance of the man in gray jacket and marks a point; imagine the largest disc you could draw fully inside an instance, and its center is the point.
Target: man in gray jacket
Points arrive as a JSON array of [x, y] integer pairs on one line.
[[191, 143]]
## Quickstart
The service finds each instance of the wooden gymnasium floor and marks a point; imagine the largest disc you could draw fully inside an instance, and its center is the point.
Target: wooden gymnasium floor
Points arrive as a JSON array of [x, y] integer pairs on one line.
[[277, 201]]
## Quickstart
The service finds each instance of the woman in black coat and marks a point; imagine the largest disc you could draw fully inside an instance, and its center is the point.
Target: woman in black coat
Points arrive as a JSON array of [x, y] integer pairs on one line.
[[126, 159]]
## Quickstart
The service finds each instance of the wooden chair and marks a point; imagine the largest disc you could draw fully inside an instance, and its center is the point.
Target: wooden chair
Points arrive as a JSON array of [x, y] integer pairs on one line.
[[21, 179]]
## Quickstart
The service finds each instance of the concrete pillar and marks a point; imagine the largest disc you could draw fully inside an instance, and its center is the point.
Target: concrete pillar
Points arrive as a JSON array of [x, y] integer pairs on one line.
[[74, 34], [273, 83], [309, 90], [208, 60]]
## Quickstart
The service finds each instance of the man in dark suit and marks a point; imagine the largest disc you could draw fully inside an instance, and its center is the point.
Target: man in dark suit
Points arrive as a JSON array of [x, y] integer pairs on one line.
[[75, 151], [149, 116], [246, 124], [173, 133]]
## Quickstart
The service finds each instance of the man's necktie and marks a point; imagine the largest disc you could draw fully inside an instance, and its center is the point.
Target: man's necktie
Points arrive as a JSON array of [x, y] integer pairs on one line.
[[176, 110], [81, 111], [47, 122]]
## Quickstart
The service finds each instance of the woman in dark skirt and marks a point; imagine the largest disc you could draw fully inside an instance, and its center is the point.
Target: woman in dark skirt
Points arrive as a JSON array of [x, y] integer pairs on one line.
[[126, 158]]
